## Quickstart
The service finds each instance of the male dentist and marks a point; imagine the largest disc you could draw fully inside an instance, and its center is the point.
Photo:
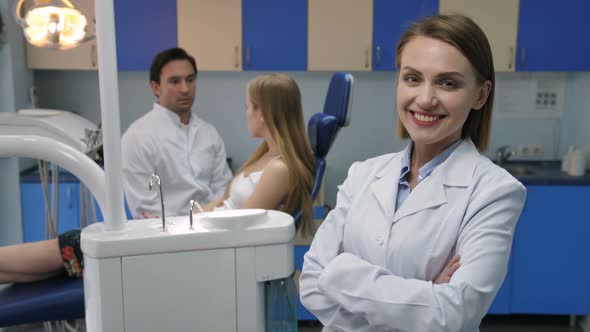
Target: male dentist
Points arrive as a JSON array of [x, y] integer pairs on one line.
[[171, 141]]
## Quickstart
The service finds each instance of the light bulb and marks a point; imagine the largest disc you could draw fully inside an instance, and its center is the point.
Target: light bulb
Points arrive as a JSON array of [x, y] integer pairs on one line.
[[56, 27]]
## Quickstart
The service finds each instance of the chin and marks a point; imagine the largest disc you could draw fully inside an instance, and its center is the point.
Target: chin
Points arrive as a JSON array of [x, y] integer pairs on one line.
[[424, 138]]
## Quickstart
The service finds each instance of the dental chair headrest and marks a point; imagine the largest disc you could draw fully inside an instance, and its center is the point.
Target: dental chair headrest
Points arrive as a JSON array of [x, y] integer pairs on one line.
[[322, 129], [339, 97]]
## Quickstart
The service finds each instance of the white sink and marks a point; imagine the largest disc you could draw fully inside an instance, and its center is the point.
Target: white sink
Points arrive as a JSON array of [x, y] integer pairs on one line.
[[231, 219]]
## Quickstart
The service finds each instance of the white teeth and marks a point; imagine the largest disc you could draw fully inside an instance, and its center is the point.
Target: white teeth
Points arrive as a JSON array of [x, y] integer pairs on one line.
[[425, 118]]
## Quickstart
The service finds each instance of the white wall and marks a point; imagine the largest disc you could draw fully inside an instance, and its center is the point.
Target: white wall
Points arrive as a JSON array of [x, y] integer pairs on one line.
[[220, 100], [580, 112], [15, 81]]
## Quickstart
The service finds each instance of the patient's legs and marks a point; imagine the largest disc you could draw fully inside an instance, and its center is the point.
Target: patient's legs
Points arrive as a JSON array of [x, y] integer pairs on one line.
[[30, 261]]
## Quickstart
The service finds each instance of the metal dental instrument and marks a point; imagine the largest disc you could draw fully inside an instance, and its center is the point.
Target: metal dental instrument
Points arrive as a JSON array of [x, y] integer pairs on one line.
[[150, 185]]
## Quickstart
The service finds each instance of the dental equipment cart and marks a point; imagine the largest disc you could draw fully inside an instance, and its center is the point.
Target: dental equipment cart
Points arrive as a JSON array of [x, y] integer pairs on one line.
[[206, 278]]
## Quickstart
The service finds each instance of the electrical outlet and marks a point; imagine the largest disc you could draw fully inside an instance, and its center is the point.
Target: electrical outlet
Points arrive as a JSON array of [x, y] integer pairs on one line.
[[546, 100], [538, 151], [530, 151]]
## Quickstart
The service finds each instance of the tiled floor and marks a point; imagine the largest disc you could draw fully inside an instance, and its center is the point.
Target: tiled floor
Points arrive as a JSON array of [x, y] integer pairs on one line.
[[490, 324]]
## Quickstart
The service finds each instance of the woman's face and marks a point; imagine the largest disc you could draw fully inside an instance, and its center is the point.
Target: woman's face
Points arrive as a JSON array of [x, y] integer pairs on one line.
[[254, 119], [436, 90]]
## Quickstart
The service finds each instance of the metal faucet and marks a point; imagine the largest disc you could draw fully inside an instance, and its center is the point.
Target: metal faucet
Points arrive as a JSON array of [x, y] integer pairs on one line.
[[502, 154], [191, 206], [150, 185]]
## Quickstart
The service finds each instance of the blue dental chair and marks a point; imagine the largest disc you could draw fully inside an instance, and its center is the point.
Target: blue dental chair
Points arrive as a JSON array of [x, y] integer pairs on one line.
[[55, 299], [322, 128]]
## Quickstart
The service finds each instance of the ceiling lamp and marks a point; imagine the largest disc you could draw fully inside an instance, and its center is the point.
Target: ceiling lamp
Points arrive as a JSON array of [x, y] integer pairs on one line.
[[52, 24]]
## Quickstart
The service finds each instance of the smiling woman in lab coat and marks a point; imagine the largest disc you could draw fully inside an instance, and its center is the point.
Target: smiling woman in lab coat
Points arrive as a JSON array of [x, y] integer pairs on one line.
[[401, 218]]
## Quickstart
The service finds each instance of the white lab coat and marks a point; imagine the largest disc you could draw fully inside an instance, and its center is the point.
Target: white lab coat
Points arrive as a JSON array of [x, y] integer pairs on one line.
[[370, 267], [189, 159]]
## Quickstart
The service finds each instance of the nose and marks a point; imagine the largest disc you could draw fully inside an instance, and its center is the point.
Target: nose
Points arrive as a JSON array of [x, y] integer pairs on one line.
[[426, 97], [184, 87]]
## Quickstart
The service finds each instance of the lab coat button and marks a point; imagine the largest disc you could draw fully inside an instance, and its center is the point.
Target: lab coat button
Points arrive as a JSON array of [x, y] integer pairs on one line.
[[380, 241]]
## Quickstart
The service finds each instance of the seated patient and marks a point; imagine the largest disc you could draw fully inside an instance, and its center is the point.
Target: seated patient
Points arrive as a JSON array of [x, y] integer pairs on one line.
[[279, 175]]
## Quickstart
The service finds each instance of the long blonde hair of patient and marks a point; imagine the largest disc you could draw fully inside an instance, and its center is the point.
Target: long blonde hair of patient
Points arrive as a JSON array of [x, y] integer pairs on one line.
[[278, 98]]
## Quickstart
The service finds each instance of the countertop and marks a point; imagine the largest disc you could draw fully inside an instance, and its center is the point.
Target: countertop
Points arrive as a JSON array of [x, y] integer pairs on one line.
[[527, 172], [544, 173], [32, 176]]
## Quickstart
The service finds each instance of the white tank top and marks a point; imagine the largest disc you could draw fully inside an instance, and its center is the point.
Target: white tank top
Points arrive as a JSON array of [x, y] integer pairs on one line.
[[241, 189]]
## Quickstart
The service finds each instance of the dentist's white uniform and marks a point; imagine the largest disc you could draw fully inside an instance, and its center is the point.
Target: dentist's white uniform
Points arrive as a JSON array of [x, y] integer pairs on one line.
[[370, 267]]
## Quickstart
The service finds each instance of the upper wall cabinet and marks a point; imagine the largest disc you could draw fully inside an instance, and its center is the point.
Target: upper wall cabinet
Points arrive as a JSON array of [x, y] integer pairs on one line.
[[275, 35], [498, 19], [390, 19], [211, 30], [81, 57], [553, 36], [143, 28], [340, 35]]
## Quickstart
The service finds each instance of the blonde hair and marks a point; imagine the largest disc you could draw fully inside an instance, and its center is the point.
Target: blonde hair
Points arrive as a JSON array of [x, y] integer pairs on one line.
[[278, 98], [467, 37]]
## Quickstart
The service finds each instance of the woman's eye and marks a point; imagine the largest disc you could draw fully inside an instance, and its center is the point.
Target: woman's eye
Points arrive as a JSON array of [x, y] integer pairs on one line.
[[411, 78], [449, 84]]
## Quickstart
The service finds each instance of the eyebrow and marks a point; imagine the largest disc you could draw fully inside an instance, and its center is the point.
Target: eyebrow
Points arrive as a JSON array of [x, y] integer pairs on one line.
[[178, 77], [448, 73]]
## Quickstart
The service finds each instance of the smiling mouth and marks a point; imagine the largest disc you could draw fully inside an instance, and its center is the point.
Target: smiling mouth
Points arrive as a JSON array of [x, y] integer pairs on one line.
[[430, 118]]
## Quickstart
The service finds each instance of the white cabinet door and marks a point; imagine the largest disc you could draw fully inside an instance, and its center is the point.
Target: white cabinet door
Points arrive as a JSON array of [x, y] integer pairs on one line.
[[81, 57], [211, 31], [183, 291], [340, 34], [498, 19]]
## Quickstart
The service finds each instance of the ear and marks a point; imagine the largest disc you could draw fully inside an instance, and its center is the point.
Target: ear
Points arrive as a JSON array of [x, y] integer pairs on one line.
[[258, 113], [155, 88], [483, 94]]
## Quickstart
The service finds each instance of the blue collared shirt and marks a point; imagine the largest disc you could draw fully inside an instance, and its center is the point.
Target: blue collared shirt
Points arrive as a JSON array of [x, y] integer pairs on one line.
[[403, 189]]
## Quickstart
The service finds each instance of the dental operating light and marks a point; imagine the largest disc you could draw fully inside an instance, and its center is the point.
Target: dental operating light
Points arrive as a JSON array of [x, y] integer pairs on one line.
[[52, 24]]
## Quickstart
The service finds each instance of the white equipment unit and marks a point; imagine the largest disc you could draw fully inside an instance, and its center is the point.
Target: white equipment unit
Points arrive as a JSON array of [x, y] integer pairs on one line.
[[206, 278], [63, 126]]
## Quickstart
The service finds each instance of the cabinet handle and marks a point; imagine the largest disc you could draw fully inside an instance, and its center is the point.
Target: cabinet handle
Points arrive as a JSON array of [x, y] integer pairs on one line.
[[511, 58], [378, 56], [367, 51], [93, 55], [522, 57], [248, 56], [237, 56], [69, 197]]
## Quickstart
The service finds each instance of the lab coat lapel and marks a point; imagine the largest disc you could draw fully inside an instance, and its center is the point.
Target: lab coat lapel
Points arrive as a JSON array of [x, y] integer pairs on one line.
[[456, 171], [384, 188], [429, 193]]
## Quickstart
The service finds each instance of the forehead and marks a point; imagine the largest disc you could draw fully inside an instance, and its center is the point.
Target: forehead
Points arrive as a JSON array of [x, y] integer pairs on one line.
[[180, 68], [431, 55]]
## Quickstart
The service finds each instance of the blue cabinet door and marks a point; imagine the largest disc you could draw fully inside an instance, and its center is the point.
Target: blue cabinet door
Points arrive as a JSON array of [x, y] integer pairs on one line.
[[553, 36], [275, 34], [501, 303], [33, 206], [390, 19], [69, 207], [33, 212], [143, 28], [302, 312], [550, 254]]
